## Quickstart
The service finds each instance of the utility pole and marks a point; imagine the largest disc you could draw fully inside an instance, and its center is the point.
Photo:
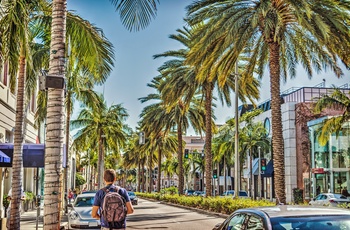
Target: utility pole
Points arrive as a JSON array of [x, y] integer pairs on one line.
[[236, 133]]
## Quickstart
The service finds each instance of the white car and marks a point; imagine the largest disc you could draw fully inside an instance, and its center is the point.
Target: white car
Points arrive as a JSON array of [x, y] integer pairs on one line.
[[329, 199], [231, 193], [79, 216]]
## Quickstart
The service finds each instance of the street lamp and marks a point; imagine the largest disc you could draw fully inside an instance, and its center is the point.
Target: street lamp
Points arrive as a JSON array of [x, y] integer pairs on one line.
[[236, 134]]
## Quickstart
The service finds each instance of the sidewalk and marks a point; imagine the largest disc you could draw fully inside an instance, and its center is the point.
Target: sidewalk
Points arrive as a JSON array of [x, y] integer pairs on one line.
[[29, 220]]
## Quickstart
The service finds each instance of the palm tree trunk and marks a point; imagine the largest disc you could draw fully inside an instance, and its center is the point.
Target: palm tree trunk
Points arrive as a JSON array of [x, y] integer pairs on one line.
[[17, 162], [208, 135], [225, 182], [179, 155], [139, 177], [55, 118], [159, 166], [143, 177], [150, 173], [100, 165], [277, 140]]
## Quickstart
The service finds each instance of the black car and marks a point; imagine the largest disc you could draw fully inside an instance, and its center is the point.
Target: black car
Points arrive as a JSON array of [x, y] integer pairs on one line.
[[133, 198], [284, 217]]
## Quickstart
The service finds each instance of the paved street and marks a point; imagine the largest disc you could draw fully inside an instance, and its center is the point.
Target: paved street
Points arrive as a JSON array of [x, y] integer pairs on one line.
[[154, 215], [149, 215]]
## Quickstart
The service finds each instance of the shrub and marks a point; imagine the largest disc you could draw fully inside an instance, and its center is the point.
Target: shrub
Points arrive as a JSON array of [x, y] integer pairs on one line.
[[29, 196], [298, 195], [79, 180], [214, 204]]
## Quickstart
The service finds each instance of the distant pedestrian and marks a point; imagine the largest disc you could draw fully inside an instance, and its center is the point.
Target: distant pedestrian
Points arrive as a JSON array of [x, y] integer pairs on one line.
[[70, 195], [75, 194], [318, 189], [345, 192], [97, 212]]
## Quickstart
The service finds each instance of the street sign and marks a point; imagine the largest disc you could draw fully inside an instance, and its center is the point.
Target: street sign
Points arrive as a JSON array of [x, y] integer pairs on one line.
[[317, 170]]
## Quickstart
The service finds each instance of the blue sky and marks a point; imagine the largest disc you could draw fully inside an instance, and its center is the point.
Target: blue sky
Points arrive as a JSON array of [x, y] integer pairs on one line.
[[135, 66]]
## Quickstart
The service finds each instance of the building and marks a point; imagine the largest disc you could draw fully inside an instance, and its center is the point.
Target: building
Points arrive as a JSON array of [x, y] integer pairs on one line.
[[307, 164]]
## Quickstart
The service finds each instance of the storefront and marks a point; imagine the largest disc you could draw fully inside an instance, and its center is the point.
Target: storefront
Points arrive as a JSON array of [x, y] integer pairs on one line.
[[330, 171]]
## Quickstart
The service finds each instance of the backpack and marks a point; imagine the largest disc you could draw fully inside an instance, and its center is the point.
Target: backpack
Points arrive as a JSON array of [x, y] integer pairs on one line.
[[113, 206]]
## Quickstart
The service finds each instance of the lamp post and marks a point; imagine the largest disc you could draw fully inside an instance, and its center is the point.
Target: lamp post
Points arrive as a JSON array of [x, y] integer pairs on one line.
[[236, 133], [259, 176]]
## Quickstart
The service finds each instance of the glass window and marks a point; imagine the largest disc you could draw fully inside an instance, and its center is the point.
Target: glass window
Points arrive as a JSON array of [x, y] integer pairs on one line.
[[235, 223], [84, 202], [312, 222], [255, 223]]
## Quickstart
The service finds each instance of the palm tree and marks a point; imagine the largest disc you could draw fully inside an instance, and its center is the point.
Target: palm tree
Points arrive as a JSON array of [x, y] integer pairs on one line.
[[135, 15], [338, 100], [280, 34], [103, 125], [16, 49], [83, 71], [184, 84], [176, 114]]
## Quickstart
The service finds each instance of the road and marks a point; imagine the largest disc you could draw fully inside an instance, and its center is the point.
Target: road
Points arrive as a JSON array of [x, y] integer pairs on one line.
[[155, 215]]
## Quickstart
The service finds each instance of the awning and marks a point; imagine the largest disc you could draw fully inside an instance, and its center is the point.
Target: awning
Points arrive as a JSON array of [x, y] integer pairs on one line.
[[269, 169], [33, 155], [4, 158]]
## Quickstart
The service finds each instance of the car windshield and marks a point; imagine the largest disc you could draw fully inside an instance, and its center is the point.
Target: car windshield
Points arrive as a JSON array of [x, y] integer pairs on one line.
[[84, 201], [323, 222], [241, 193]]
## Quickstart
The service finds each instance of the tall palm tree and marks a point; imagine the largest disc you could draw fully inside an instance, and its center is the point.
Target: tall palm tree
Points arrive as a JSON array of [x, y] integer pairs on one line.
[[135, 15], [184, 75], [280, 34], [338, 100], [176, 114], [83, 71], [103, 125], [16, 49]]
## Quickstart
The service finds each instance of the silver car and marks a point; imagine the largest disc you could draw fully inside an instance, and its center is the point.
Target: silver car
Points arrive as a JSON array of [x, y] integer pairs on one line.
[[79, 216], [329, 199], [287, 217]]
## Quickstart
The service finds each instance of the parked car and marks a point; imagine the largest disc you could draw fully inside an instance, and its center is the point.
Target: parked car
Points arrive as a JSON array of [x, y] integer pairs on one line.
[[242, 194], [329, 199], [189, 192], [80, 213], [284, 217], [133, 198], [197, 193]]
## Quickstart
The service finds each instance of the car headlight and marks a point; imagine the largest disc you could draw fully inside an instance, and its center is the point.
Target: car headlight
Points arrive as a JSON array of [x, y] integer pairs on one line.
[[73, 215]]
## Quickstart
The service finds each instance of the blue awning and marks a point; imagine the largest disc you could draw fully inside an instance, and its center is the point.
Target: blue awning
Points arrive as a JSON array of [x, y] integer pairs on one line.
[[33, 155], [4, 158], [269, 169]]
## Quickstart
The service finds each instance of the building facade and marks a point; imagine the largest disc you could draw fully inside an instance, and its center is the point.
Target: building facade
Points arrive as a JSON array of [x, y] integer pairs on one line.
[[307, 164]]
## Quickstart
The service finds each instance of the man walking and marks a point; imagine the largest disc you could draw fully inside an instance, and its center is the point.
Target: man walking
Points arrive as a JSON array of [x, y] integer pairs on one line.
[[97, 212]]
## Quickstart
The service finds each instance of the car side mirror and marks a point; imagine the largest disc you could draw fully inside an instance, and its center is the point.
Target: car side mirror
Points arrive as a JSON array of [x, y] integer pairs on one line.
[[217, 226], [314, 199]]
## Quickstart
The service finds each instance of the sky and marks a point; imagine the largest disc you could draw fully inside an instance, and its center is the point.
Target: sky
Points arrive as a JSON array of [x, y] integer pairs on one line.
[[134, 64]]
